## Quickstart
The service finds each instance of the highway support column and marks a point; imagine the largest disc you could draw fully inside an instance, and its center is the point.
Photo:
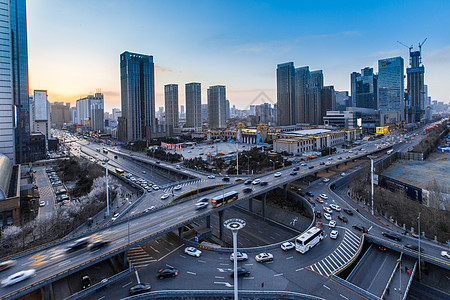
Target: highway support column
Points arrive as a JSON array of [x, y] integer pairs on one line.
[[285, 191], [221, 225], [180, 232], [208, 221], [264, 206], [250, 204]]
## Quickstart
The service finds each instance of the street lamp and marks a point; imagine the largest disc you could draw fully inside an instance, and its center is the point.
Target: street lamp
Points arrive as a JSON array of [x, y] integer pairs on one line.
[[128, 221], [107, 187], [234, 225], [273, 163], [418, 252], [248, 165], [371, 175]]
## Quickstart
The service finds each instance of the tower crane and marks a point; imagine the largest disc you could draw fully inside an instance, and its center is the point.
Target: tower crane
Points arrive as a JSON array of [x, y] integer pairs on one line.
[[409, 47]]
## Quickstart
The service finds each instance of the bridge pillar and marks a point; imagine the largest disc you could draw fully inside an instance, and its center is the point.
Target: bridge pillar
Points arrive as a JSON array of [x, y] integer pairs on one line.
[[47, 291], [208, 221], [345, 163], [221, 225], [328, 170], [337, 166], [250, 204], [264, 205], [180, 232], [315, 175], [285, 191]]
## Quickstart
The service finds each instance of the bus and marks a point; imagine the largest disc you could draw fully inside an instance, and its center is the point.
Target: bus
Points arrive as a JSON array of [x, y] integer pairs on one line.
[[220, 200], [308, 239], [389, 151], [120, 171]]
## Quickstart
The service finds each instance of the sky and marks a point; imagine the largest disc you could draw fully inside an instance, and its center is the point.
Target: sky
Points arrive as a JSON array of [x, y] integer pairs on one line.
[[74, 46]]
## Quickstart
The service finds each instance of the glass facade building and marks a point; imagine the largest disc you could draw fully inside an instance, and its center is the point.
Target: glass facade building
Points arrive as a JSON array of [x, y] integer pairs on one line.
[[171, 105], [391, 84], [364, 88], [217, 107], [193, 105], [286, 94]]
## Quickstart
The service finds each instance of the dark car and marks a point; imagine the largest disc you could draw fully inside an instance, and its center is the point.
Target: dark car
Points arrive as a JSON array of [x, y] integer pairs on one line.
[[296, 168], [293, 173], [78, 244], [322, 163], [311, 167], [342, 218], [263, 183], [226, 179], [98, 244], [158, 162], [168, 272], [247, 190], [85, 282], [240, 272], [115, 156], [309, 194], [392, 236], [318, 214], [414, 247], [382, 248], [348, 211], [360, 228], [139, 289], [247, 182]]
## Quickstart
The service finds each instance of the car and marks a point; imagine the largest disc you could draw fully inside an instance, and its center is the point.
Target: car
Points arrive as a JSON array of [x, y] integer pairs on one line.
[[342, 218], [334, 234], [78, 244], [296, 168], [287, 246], [392, 236], [4, 265], [158, 162], [328, 210], [144, 172], [201, 205], [238, 179], [264, 183], [17, 277], [348, 211], [248, 181], [335, 207], [293, 173], [42, 203], [343, 174], [149, 190], [211, 176], [327, 216], [332, 224], [240, 272], [328, 163], [360, 228], [155, 187], [115, 217], [226, 179], [303, 164], [97, 244], [326, 179], [323, 196], [277, 174], [192, 251], [320, 200], [178, 167], [178, 187], [240, 256], [85, 282], [204, 200], [413, 247], [165, 196], [264, 256], [311, 167], [247, 190], [445, 254], [256, 181], [319, 224], [309, 194], [139, 289], [318, 214], [167, 272], [311, 200], [322, 163]]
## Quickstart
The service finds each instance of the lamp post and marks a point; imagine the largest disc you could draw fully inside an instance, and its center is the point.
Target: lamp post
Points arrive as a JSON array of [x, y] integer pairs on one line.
[[107, 188], [234, 225], [248, 165], [272, 163], [418, 252], [128, 221], [371, 176], [237, 158]]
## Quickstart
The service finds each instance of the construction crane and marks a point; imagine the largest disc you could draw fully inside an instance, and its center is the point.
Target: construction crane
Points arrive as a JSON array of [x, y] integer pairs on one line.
[[409, 47], [421, 44]]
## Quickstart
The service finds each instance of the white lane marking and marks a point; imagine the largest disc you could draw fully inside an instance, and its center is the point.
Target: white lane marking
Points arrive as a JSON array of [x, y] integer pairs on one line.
[[127, 284], [281, 274], [101, 298], [299, 269], [224, 264], [224, 283], [326, 287], [343, 296], [290, 257], [201, 261], [64, 263], [369, 228], [192, 273], [249, 264], [221, 270], [164, 256], [219, 277], [249, 277]]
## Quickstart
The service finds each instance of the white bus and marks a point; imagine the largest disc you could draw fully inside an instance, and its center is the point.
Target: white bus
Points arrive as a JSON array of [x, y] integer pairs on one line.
[[308, 239]]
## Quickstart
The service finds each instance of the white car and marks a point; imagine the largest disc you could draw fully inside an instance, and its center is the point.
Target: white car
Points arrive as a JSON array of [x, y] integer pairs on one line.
[[334, 234], [323, 196], [192, 251], [240, 256], [277, 174], [165, 196], [19, 276], [445, 254], [327, 216], [155, 187], [116, 215], [332, 224], [256, 181], [42, 203], [211, 176], [326, 179], [327, 209], [343, 174], [178, 187], [265, 256], [287, 246], [335, 207], [144, 172]]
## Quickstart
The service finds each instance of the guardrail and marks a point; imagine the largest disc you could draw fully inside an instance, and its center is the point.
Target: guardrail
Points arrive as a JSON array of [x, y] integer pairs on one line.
[[353, 258], [349, 277], [392, 276], [354, 288], [408, 286]]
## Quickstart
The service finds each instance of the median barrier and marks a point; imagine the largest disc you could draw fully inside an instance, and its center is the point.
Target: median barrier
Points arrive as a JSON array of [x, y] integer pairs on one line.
[[349, 277]]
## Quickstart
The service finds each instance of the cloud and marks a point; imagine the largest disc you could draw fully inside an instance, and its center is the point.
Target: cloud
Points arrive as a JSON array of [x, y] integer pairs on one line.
[[387, 53], [162, 69]]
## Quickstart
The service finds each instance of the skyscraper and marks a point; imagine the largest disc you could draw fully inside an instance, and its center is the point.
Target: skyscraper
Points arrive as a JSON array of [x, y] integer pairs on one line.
[[96, 117], [171, 105], [364, 88], [137, 84], [227, 109], [286, 94], [328, 101], [217, 106], [84, 110], [41, 118], [193, 93], [415, 86], [391, 84], [342, 100], [314, 109], [302, 80]]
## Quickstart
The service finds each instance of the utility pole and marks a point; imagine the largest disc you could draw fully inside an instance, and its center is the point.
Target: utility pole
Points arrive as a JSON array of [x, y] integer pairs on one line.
[[234, 225], [418, 253], [371, 176], [107, 188]]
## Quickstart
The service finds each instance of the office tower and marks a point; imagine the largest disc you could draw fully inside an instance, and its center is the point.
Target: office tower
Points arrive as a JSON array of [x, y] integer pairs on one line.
[[193, 92], [252, 110], [227, 109], [73, 114], [328, 101], [343, 100], [171, 105], [41, 119], [390, 84], [314, 107], [217, 106], [106, 115], [59, 114], [415, 86], [204, 112], [137, 84], [286, 93], [263, 113], [116, 113], [302, 80], [97, 117], [84, 105], [364, 88]]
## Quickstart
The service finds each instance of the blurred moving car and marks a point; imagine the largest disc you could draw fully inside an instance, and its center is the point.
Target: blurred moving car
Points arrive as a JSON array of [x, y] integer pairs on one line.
[[139, 289], [17, 277], [85, 282], [277, 174], [78, 244], [4, 265], [264, 256], [240, 272], [240, 256], [192, 251], [97, 244], [167, 272]]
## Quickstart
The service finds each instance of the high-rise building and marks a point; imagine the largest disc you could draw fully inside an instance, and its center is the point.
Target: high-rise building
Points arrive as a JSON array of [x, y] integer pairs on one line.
[[264, 113], [193, 93], [41, 118], [84, 106], [286, 94], [391, 84], [116, 113], [97, 116], [416, 87], [302, 80], [59, 114], [204, 112], [227, 109], [343, 100], [328, 101], [314, 107], [73, 114], [106, 115], [217, 106], [137, 82], [364, 88], [171, 105]]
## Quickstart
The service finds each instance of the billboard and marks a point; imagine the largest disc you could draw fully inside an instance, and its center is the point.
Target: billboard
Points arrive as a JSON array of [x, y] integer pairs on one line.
[[382, 130]]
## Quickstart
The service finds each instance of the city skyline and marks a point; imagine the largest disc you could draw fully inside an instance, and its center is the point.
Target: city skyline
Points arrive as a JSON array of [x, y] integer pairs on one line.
[[212, 50]]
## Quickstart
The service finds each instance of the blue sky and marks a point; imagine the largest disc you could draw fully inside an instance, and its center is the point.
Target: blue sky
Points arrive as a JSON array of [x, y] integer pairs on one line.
[[74, 46]]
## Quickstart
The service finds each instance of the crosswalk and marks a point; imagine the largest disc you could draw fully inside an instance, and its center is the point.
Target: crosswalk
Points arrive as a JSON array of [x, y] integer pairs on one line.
[[340, 257], [169, 189], [138, 258]]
